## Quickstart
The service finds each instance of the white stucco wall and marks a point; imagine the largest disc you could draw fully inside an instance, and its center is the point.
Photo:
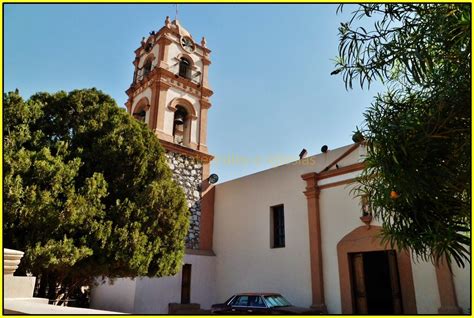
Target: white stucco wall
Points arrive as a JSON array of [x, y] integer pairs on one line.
[[203, 283], [116, 296], [155, 51], [147, 295], [339, 214], [462, 283], [426, 287], [174, 50], [154, 294], [245, 261]]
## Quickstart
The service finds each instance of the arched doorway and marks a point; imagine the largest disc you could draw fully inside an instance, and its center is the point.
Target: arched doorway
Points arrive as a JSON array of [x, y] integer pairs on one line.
[[372, 274]]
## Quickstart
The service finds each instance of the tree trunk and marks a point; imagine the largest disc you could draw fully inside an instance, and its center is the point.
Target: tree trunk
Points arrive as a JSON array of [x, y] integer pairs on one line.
[[43, 283], [52, 286]]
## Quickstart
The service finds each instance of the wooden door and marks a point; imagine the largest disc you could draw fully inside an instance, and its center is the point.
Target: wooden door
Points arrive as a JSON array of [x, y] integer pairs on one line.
[[395, 283], [359, 288], [186, 284]]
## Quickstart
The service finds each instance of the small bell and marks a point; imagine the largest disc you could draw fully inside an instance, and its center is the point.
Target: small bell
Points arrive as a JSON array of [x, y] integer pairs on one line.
[[179, 118], [140, 114]]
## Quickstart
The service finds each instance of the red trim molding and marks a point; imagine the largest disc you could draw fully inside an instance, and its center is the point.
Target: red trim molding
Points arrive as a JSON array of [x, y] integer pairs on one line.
[[159, 74], [342, 170], [336, 184], [316, 259], [345, 154], [207, 219], [312, 192], [447, 292]]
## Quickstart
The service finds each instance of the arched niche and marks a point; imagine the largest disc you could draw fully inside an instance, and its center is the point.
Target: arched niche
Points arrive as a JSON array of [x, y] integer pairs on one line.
[[182, 133], [143, 105]]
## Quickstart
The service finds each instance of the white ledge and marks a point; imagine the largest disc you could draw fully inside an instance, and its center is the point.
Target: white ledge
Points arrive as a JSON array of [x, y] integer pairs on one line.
[[13, 252], [33, 307]]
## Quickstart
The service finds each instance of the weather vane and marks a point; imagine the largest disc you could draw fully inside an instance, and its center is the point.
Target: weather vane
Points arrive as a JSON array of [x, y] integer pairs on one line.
[[176, 14]]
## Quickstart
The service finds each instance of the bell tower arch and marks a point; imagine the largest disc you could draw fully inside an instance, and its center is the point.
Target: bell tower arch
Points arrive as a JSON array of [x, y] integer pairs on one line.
[[170, 92]]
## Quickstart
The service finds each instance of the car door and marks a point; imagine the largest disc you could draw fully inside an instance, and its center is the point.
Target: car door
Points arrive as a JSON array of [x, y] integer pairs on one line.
[[257, 306], [239, 305]]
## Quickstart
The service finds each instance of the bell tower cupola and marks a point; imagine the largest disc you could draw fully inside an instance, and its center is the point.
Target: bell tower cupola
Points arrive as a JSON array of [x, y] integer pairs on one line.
[[170, 93], [170, 88]]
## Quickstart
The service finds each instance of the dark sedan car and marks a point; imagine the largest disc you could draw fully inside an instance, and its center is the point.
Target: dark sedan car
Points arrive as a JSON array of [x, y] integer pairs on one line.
[[259, 304]]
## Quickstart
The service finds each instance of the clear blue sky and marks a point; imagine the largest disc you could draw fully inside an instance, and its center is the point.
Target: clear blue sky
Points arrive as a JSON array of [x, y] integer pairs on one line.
[[273, 94]]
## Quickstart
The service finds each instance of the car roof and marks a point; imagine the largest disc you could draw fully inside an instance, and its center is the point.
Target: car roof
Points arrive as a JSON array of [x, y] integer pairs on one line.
[[258, 294]]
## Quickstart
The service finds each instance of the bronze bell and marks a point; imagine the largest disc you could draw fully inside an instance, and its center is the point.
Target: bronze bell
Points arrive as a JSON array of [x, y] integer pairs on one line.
[[179, 118], [140, 114]]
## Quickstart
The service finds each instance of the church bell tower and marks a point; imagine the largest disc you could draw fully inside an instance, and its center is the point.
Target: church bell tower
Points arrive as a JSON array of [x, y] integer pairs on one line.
[[170, 93]]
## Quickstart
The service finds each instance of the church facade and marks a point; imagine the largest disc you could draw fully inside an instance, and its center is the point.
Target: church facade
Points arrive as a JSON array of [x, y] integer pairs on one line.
[[296, 229]]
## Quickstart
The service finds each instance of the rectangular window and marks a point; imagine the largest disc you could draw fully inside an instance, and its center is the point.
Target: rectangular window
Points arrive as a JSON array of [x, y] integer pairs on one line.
[[277, 226]]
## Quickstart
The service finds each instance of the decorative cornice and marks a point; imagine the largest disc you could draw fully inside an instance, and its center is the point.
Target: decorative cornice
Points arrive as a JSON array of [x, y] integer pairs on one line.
[[207, 92], [201, 156], [164, 40], [204, 49], [205, 104], [309, 175], [163, 35], [142, 46], [312, 189], [190, 251], [162, 85], [180, 79], [311, 179], [166, 77]]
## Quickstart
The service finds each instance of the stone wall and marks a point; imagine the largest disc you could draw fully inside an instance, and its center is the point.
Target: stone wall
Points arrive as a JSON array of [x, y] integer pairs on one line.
[[188, 174]]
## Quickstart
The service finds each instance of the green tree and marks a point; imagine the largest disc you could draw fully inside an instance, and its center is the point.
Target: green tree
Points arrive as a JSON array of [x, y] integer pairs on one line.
[[87, 192], [418, 133]]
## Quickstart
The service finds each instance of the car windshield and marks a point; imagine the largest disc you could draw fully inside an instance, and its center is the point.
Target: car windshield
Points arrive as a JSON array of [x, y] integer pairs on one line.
[[228, 300], [277, 301]]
